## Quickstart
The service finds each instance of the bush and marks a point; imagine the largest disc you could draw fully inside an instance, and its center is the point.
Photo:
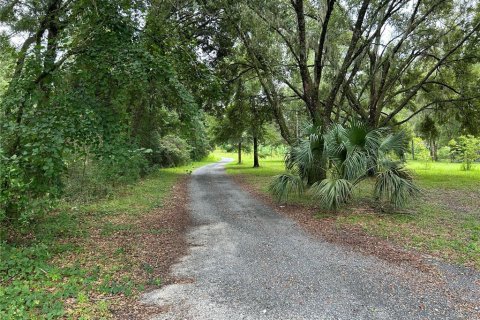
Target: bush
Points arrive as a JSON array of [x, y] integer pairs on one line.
[[445, 153], [330, 165], [22, 200], [88, 178], [454, 151], [200, 148], [172, 151], [468, 146], [421, 152]]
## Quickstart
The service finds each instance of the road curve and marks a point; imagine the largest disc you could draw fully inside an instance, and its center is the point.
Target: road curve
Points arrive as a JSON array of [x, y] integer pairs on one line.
[[248, 262]]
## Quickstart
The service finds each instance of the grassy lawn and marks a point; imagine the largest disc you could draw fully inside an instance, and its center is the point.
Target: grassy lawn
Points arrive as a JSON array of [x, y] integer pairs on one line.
[[444, 221], [77, 262], [445, 175]]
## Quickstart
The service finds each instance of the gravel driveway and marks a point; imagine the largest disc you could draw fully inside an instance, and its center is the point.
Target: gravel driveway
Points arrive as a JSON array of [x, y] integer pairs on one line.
[[248, 262]]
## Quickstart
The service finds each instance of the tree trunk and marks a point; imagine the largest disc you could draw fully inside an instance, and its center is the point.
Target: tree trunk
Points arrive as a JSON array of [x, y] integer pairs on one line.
[[240, 152], [256, 163], [432, 152], [297, 127]]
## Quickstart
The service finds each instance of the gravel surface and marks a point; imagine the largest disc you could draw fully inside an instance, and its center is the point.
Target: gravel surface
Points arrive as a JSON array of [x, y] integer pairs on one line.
[[249, 262]]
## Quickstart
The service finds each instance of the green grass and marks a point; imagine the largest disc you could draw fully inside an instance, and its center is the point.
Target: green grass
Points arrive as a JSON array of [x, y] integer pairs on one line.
[[445, 175], [145, 195], [444, 221], [53, 272]]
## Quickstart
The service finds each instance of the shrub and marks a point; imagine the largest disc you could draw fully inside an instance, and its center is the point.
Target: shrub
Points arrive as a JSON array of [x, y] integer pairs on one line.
[[172, 151], [454, 150], [22, 200], [330, 165], [445, 153], [468, 147], [200, 148], [422, 153], [88, 177]]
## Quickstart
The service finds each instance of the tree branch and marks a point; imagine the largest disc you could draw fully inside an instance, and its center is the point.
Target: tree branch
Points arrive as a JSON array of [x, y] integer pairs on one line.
[[321, 44], [429, 73]]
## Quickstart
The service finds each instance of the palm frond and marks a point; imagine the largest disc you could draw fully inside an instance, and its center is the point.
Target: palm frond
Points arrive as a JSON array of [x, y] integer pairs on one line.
[[300, 158], [394, 142], [317, 143], [307, 155], [332, 192], [334, 143], [355, 165], [398, 167], [294, 156], [356, 134], [395, 186], [309, 128], [373, 140], [349, 154], [285, 185]]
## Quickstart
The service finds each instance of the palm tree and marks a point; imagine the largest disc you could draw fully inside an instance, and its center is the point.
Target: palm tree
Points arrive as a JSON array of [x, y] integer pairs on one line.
[[352, 154]]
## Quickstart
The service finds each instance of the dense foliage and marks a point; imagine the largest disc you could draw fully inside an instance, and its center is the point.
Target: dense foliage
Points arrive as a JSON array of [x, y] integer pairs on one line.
[[467, 150], [91, 93]]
